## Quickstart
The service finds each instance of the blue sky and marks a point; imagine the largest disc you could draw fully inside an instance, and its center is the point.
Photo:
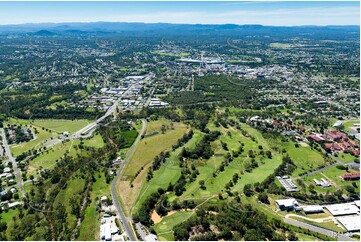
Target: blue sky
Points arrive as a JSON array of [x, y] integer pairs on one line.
[[247, 12]]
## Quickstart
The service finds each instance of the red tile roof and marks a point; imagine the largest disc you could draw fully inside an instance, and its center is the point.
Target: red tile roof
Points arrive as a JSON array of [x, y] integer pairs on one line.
[[351, 175]]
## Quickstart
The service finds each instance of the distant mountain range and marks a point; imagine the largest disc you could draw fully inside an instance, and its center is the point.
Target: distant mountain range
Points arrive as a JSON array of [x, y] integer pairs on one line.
[[50, 29]]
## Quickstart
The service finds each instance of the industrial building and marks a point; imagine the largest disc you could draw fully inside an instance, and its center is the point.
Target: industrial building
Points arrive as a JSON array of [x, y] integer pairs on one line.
[[312, 209], [288, 184], [351, 223], [322, 183], [342, 209], [287, 204]]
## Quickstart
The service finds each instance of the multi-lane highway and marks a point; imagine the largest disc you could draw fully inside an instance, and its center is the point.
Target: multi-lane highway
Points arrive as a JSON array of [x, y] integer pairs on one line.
[[127, 223]]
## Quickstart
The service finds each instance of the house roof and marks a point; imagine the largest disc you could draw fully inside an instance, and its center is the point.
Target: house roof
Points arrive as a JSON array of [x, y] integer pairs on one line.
[[350, 175]]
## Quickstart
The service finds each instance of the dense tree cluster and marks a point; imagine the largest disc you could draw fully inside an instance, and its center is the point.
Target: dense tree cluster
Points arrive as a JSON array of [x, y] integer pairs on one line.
[[182, 141], [18, 134], [203, 148], [119, 133], [239, 223], [157, 162]]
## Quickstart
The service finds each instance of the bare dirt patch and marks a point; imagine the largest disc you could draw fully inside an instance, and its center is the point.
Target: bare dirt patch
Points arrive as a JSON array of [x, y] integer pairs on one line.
[[129, 194], [157, 218]]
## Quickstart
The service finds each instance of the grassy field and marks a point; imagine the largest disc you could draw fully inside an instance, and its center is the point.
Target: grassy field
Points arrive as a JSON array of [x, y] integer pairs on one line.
[[306, 237], [347, 158], [165, 226], [304, 157], [309, 180], [7, 216], [334, 173], [151, 146], [183, 54], [48, 158], [143, 155], [90, 226], [96, 142], [214, 185], [54, 125], [62, 125], [169, 172], [350, 123], [41, 138]]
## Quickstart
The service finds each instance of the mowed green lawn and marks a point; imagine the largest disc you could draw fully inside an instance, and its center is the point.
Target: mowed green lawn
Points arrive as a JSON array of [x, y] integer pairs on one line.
[[169, 172], [308, 180], [304, 157], [350, 123], [150, 147], [215, 185], [90, 226], [62, 125], [167, 223], [57, 125], [347, 158], [334, 174]]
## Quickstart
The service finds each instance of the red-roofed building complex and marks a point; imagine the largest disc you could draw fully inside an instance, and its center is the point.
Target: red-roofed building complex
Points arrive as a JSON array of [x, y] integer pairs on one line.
[[351, 176]]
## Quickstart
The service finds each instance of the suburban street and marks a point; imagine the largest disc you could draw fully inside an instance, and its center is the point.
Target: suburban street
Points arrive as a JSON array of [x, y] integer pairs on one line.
[[17, 172], [126, 223], [338, 162]]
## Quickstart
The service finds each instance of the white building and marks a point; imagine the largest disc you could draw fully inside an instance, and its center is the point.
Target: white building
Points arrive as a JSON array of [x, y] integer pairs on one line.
[[312, 209], [342, 209], [338, 123], [287, 204], [351, 223], [151, 237], [357, 203], [7, 169], [14, 204]]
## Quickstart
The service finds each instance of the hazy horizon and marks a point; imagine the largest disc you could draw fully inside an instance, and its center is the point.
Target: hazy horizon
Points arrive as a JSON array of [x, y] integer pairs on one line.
[[267, 13], [94, 22]]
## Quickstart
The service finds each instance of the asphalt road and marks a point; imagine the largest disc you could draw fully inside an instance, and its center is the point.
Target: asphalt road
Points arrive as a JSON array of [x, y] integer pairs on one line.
[[317, 229], [126, 223], [19, 181], [326, 167]]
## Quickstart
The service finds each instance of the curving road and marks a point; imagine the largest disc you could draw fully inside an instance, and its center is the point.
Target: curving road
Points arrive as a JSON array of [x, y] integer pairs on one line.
[[126, 224]]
